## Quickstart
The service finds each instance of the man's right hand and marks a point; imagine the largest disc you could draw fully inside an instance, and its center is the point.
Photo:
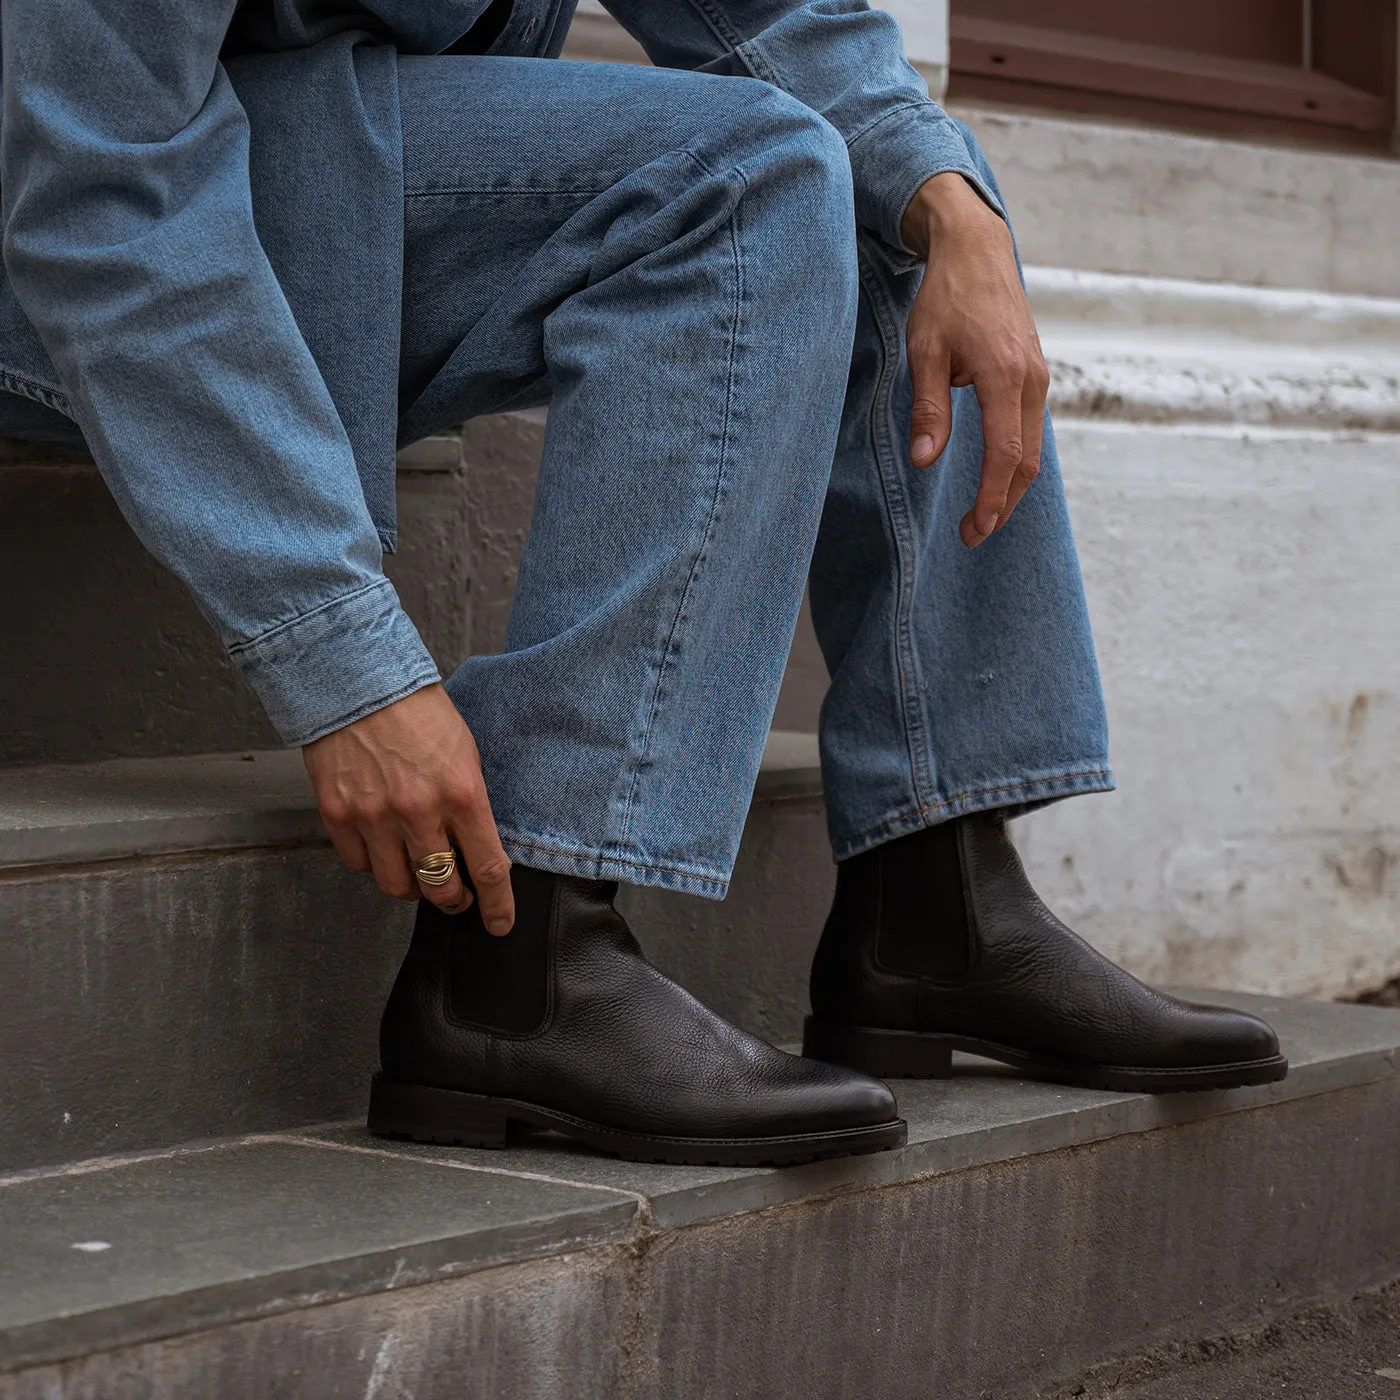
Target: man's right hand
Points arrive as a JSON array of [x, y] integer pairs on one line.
[[404, 783]]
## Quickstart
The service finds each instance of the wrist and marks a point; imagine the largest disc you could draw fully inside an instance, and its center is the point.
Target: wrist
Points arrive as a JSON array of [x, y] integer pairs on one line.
[[942, 207]]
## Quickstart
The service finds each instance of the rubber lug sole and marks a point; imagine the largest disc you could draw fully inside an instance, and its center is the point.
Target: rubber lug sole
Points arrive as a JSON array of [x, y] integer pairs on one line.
[[929, 1055], [425, 1114]]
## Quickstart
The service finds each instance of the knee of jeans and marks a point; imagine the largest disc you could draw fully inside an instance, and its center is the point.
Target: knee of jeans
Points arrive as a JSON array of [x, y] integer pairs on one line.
[[807, 160]]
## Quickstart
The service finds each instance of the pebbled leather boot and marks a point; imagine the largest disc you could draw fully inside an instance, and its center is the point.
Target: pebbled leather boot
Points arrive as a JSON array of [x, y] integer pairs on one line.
[[936, 942], [564, 1024]]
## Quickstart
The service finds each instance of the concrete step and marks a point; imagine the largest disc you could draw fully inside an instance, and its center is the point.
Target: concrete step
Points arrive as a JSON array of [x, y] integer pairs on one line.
[[193, 961], [1025, 1234]]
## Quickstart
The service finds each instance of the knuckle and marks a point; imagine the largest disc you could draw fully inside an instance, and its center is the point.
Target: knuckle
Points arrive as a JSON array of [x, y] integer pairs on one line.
[[1011, 362], [465, 791], [492, 870], [364, 811], [414, 805], [1007, 449], [928, 410]]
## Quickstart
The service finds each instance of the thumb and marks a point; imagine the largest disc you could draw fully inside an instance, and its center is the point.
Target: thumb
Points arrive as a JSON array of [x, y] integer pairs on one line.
[[931, 421]]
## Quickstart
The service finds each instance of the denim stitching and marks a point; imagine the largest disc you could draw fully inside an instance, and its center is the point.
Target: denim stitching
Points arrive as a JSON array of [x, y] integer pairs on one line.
[[583, 855], [48, 395], [897, 514], [702, 554], [569, 193], [237, 648], [1027, 788]]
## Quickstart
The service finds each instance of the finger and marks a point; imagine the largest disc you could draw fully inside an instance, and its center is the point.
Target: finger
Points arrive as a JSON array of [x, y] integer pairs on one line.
[[1033, 396], [349, 845], [488, 866], [931, 421], [451, 898], [1000, 400], [390, 861]]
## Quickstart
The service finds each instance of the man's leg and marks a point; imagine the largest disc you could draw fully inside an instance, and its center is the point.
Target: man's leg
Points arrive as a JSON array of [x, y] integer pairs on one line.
[[669, 257], [964, 688]]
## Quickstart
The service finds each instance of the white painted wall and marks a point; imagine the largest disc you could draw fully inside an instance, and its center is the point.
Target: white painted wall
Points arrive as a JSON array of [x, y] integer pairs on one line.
[[1231, 451]]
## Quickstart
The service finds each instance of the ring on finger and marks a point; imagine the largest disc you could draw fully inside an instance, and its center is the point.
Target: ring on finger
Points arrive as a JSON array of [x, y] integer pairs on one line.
[[436, 869]]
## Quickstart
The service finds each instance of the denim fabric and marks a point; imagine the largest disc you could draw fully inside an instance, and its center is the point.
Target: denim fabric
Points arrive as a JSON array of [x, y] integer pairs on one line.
[[961, 679], [202, 261], [691, 293]]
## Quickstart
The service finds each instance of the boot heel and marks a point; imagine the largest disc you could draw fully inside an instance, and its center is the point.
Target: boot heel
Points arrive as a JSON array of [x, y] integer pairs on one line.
[[884, 1054], [434, 1115]]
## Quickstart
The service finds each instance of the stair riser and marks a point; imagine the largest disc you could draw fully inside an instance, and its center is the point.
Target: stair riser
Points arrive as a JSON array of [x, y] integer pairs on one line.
[[996, 1279], [112, 658], [185, 997]]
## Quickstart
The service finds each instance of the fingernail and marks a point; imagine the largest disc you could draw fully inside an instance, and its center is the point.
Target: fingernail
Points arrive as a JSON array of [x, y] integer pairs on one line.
[[991, 525], [499, 927], [923, 446]]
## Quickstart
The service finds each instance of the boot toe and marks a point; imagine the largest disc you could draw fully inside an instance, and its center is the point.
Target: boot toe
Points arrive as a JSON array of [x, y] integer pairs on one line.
[[838, 1098], [1226, 1036]]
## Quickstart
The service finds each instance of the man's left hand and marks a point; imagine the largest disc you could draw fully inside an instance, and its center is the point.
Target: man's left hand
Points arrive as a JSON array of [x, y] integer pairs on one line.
[[971, 324]]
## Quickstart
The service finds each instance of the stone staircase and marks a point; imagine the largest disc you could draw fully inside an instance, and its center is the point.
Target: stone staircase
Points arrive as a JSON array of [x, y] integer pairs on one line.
[[189, 1205]]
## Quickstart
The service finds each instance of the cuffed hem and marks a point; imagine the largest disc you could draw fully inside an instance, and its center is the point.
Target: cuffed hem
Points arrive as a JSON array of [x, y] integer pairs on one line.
[[560, 858], [336, 664], [897, 156], [1018, 797]]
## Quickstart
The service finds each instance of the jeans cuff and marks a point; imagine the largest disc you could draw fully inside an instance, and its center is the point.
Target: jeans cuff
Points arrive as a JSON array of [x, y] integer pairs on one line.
[[1016, 796], [548, 853], [336, 664]]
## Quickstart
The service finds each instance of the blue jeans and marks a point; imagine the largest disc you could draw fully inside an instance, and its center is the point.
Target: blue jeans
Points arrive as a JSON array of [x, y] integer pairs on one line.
[[671, 261]]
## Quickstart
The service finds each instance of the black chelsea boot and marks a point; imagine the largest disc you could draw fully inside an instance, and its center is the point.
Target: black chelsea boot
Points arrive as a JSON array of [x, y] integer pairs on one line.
[[936, 942], [564, 1024]]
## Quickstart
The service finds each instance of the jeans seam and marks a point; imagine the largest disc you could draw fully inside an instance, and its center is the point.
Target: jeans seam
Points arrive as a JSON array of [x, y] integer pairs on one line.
[[570, 193], [37, 391], [702, 553], [896, 512]]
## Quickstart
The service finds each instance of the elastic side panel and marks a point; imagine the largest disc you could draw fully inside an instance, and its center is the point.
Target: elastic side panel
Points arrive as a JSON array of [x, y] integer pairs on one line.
[[502, 984], [923, 916]]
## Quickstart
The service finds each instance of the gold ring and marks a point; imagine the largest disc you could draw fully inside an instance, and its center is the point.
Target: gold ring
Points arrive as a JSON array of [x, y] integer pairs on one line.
[[436, 869]]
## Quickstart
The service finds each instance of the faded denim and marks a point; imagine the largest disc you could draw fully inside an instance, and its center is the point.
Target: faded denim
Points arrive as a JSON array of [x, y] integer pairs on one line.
[[699, 271], [202, 207], [712, 330]]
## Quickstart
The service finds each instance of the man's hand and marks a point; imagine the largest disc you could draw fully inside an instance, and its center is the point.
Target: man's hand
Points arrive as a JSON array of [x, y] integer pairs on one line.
[[971, 324], [403, 783]]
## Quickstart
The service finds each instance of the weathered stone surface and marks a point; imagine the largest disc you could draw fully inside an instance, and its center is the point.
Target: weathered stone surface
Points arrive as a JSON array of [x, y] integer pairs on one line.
[[175, 1244], [108, 656], [554, 1330], [184, 996], [998, 1279], [1026, 1233], [1113, 197], [1244, 596]]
